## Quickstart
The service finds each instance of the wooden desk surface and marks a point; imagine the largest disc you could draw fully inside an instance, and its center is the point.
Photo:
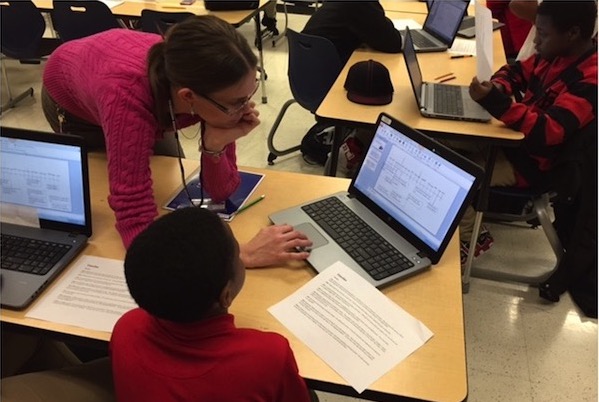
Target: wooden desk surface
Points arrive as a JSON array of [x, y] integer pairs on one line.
[[337, 107], [412, 7], [437, 371], [134, 8]]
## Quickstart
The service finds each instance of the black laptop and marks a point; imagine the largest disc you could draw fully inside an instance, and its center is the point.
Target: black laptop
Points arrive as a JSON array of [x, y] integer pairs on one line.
[[45, 210], [440, 27], [467, 28]]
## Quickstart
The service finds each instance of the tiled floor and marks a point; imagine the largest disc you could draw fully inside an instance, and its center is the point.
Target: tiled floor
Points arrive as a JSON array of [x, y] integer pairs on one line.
[[519, 348]]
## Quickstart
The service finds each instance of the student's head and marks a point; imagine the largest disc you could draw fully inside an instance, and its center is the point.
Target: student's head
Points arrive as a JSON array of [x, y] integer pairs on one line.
[[563, 26], [185, 266], [209, 65]]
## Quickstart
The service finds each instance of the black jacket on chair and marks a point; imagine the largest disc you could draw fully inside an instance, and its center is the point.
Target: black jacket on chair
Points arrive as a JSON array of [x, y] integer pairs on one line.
[[351, 24]]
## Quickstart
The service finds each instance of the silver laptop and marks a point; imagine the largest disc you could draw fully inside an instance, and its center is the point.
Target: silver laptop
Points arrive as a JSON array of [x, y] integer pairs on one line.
[[399, 213], [440, 27], [467, 28], [436, 100], [45, 208]]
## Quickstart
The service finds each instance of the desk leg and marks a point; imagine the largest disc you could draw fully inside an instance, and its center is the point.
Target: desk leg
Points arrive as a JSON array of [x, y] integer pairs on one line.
[[481, 206], [260, 57], [338, 138]]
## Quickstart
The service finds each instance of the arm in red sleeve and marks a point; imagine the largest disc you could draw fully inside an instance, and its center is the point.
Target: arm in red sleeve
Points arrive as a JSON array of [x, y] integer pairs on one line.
[[562, 109]]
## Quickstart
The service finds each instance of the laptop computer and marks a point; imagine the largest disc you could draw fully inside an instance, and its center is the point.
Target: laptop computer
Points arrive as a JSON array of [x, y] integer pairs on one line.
[[407, 199], [440, 27], [45, 184], [467, 28], [437, 100]]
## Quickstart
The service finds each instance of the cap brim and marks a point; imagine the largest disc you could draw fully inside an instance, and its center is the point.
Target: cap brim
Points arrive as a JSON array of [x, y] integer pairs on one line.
[[370, 100]]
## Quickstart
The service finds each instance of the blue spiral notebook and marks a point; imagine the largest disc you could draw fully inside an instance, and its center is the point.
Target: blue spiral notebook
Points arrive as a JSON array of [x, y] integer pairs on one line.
[[227, 209]]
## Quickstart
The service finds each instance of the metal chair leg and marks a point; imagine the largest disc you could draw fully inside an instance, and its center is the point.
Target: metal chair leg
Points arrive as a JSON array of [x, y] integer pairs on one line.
[[12, 101], [273, 151]]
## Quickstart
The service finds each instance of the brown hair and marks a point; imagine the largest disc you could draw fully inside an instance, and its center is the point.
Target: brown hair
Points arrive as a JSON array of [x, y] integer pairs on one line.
[[203, 53]]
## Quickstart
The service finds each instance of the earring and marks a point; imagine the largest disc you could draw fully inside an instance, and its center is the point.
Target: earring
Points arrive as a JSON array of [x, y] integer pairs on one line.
[[191, 111]]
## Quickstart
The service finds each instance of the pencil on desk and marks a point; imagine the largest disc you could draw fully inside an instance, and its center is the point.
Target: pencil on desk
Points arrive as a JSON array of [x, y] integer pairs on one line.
[[448, 79], [443, 76], [460, 56], [257, 200]]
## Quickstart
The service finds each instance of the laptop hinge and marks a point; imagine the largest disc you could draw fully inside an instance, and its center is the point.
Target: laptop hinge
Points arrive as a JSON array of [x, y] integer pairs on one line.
[[423, 92]]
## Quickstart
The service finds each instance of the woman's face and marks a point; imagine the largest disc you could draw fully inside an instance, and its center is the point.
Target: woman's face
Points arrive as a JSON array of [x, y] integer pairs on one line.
[[225, 108]]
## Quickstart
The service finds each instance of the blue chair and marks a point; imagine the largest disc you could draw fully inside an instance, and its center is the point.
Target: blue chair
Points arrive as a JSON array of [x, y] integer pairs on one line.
[[22, 33], [78, 19], [159, 21], [314, 65]]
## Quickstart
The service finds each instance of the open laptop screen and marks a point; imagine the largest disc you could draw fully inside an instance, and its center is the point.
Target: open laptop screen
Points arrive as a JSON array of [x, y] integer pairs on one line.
[[414, 72], [417, 186], [45, 178], [444, 18]]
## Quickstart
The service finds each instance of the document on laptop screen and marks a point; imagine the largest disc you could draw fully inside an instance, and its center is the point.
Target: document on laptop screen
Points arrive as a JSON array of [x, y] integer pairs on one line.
[[351, 325]]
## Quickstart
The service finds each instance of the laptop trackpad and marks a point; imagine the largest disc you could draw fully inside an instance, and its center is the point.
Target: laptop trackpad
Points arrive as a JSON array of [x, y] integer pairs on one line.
[[313, 234]]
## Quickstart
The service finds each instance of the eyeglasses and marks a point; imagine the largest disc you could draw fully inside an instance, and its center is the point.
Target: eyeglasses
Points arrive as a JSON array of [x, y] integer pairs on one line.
[[235, 109]]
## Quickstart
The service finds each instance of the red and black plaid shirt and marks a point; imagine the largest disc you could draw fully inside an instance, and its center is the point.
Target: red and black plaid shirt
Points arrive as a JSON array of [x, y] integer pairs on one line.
[[559, 99]]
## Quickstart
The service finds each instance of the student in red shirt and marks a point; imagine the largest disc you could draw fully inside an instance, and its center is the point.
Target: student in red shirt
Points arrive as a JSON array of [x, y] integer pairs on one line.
[[181, 344], [516, 28], [559, 96]]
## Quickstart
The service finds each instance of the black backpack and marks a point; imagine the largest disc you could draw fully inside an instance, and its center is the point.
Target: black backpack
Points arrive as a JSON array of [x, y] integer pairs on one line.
[[316, 144]]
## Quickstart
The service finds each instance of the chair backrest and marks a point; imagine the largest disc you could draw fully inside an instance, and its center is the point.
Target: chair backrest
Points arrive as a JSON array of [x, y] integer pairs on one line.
[[314, 65], [77, 19], [159, 21], [22, 29]]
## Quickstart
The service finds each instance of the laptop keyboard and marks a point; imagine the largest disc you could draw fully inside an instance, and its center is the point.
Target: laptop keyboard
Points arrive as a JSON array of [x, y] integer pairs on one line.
[[467, 23], [369, 249], [29, 255], [448, 100], [421, 41]]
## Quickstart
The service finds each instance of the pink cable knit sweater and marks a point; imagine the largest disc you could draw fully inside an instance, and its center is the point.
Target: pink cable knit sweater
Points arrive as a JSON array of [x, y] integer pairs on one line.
[[103, 80]]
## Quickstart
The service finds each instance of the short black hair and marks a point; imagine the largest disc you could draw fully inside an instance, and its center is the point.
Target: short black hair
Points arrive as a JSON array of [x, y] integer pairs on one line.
[[177, 268], [568, 14]]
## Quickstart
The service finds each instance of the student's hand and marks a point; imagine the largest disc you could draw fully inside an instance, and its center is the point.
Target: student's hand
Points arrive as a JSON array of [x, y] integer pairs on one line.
[[275, 245], [217, 138], [478, 90]]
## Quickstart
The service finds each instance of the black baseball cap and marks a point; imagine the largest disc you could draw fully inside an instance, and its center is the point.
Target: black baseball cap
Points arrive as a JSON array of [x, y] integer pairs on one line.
[[369, 83]]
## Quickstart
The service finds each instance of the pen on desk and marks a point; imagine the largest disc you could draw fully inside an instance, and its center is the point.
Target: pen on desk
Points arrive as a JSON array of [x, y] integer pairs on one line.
[[447, 79], [460, 56], [251, 204], [443, 76]]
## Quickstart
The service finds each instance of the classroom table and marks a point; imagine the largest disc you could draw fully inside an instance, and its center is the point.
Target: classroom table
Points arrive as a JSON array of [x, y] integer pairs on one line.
[[339, 111], [434, 372], [133, 9]]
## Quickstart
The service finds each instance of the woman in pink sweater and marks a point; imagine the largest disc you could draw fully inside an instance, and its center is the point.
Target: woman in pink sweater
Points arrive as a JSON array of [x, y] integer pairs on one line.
[[129, 92]]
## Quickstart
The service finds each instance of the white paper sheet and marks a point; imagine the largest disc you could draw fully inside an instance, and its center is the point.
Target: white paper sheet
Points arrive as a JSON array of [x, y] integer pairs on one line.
[[351, 325], [401, 23], [112, 3], [463, 46], [484, 42], [93, 295]]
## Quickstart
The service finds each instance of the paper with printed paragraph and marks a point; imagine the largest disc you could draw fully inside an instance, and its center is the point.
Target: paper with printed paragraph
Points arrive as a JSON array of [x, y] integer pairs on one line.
[[92, 294], [357, 330]]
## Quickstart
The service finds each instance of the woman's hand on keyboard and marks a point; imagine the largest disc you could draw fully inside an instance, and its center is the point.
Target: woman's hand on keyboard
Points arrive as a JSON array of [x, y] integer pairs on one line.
[[275, 245]]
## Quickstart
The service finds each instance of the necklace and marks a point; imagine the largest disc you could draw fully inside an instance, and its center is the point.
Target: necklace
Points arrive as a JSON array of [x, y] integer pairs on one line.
[[181, 168], [174, 123]]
